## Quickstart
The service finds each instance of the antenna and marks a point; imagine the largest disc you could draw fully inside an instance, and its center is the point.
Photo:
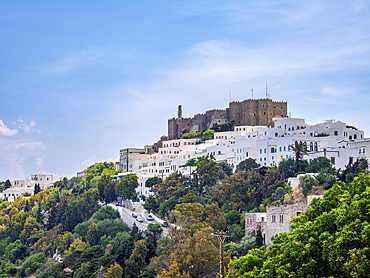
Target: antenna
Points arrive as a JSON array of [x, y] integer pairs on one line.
[[230, 96], [267, 95], [252, 92]]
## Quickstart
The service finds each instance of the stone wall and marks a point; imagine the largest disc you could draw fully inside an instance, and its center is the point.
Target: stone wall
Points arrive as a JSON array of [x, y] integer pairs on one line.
[[248, 112], [279, 217], [276, 220]]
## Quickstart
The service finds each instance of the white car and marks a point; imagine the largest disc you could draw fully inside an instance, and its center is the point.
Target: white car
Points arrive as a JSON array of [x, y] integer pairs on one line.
[[139, 219], [150, 217]]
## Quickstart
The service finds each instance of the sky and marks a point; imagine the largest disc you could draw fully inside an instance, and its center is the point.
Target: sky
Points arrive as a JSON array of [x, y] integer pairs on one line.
[[79, 80]]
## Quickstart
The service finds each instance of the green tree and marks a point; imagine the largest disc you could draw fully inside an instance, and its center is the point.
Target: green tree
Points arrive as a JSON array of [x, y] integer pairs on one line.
[[7, 184], [114, 271], [247, 164], [232, 217], [106, 189], [16, 250], [319, 164], [33, 263], [352, 170], [37, 189], [122, 248], [306, 183], [151, 204], [290, 167], [207, 174], [136, 263], [226, 168], [259, 239], [208, 135], [299, 149], [328, 240], [152, 181], [93, 234], [126, 187]]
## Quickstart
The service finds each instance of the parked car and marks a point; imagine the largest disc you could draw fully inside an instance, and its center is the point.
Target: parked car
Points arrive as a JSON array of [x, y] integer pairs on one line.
[[150, 217], [139, 219], [134, 215], [164, 224]]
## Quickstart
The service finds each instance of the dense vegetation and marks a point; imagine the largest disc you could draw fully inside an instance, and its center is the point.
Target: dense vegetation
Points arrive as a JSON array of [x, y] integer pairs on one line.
[[331, 239], [69, 222]]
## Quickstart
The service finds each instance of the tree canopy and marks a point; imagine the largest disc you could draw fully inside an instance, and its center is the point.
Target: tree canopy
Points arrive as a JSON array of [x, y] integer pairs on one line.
[[328, 240]]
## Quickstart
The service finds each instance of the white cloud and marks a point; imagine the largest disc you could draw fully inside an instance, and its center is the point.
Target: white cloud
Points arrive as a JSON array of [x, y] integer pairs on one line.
[[19, 160], [75, 61], [4, 130], [359, 5], [90, 161], [28, 128]]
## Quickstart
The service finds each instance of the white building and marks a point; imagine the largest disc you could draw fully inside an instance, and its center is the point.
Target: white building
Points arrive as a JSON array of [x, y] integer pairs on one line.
[[341, 143], [20, 187]]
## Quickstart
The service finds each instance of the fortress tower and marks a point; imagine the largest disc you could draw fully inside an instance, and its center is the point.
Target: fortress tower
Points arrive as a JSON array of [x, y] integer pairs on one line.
[[248, 112]]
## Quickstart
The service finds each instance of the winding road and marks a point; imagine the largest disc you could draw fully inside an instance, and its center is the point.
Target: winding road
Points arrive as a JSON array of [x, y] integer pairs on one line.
[[126, 216]]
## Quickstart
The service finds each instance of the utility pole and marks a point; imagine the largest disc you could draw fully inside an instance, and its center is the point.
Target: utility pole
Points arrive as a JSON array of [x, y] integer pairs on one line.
[[221, 238]]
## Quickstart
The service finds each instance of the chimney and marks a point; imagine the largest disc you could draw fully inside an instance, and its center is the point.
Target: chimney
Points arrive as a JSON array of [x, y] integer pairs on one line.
[[179, 112]]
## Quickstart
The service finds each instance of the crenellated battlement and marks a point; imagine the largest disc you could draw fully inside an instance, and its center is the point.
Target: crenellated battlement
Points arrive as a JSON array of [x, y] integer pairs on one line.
[[252, 112]]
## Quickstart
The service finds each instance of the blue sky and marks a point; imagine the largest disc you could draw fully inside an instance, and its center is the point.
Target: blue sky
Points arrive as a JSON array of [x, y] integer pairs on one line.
[[81, 79]]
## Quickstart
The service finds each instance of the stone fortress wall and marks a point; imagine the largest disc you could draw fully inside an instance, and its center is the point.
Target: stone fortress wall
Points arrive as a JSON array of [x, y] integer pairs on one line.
[[250, 112], [275, 220]]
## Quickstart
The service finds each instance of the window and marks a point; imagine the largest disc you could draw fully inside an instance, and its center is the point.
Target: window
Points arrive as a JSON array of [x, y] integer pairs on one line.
[[265, 150], [297, 127], [262, 219], [260, 150], [276, 134], [273, 218], [332, 160], [299, 213], [246, 154], [350, 160], [280, 149], [272, 158], [292, 128], [350, 137], [335, 133], [355, 136], [281, 218], [359, 150], [284, 148], [363, 150]]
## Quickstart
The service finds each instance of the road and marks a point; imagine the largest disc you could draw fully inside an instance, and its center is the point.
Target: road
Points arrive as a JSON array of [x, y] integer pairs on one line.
[[126, 216]]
